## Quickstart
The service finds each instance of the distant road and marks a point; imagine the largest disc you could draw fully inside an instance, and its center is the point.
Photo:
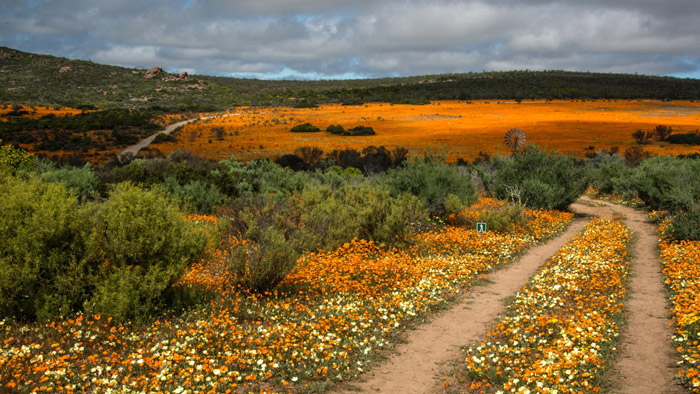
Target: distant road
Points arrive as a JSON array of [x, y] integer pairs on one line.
[[136, 148]]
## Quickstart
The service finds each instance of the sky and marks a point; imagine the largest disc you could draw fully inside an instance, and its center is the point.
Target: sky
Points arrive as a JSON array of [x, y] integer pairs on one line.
[[339, 39]]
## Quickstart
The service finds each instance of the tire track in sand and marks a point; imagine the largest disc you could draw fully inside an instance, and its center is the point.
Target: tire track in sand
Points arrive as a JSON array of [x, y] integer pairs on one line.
[[416, 365]]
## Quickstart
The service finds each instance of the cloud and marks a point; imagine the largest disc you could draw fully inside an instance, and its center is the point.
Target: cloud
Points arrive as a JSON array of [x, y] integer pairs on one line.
[[334, 38]]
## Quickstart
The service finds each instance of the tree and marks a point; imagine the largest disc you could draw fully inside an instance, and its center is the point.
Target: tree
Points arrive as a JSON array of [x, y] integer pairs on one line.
[[663, 132], [310, 154]]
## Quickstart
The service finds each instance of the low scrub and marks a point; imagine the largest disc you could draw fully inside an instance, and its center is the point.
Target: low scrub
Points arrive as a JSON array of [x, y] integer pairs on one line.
[[353, 132], [685, 225], [267, 234], [43, 271], [305, 128], [434, 182], [687, 138], [539, 179], [141, 244], [118, 258], [14, 160]]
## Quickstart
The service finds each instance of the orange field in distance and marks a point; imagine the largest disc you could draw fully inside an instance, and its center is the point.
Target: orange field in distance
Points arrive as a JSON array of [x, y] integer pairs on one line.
[[38, 112], [462, 129]]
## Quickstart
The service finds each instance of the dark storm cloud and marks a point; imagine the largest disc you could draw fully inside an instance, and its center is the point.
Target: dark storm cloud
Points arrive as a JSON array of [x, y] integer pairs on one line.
[[331, 38]]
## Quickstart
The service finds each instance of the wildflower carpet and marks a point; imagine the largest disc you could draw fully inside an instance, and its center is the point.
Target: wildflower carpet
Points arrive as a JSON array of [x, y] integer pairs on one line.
[[646, 361], [417, 365], [337, 311], [586, 291]]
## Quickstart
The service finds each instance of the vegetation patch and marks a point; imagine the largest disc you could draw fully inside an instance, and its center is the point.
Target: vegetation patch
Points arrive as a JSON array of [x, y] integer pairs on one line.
[[685, 138], [305, 128]]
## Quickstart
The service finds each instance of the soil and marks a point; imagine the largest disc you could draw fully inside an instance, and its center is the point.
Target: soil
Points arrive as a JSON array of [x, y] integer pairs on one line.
[[645, 363]]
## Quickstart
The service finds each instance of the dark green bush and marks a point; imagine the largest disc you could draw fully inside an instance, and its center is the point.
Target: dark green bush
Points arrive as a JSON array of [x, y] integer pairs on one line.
[[537, 178], [264, 238], [336, 129], [335, 216], [43, 272], [687, 138], [666, 182], [199, 196], [81, 180], [609, 174], [432, 181], [305, 128], [142, 245], [355, 131], [274, 231], [361, 130], [162, 137], [685, 225]]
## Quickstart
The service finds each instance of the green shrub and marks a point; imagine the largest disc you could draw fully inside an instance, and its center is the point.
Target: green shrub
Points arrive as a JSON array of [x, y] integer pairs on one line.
[[539, 179], [502, 219], [685, 225], [142, 244], [305, 128], [336, 129], [43, 273], [201, 197], [358, 211], [274, 231], [162, 137], [432, 181], [81, 180], [453, 205], [355, 131], [262, 264], [14, 160], [264, 238], [608, 174], [666, 182], [361, 130], [687, 138]]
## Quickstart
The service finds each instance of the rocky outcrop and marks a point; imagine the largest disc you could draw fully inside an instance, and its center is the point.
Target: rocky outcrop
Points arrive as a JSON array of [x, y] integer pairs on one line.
[[154, 72]]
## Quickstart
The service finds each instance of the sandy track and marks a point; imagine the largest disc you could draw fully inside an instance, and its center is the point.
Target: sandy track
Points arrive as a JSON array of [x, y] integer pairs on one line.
[[646, 359], [134, 150], [645, 364], [418, 363]]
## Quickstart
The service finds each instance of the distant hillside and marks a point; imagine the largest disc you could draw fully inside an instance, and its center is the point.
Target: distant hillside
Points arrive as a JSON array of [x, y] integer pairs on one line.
[[47, 80]]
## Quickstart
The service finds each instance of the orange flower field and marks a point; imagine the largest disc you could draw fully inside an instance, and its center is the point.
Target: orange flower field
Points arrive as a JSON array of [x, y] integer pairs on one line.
[[680, 266], [328, 318], [463, 129], [38, 112], [563, 324]]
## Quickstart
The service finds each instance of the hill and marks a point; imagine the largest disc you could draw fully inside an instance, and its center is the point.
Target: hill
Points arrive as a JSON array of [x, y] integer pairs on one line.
[[47, 80]]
